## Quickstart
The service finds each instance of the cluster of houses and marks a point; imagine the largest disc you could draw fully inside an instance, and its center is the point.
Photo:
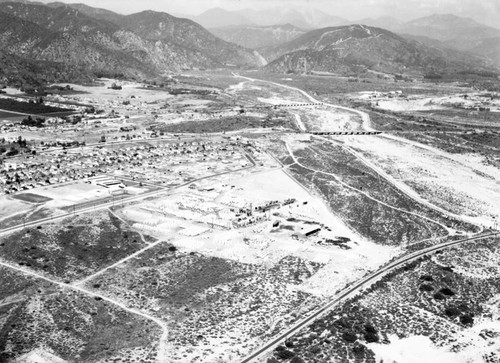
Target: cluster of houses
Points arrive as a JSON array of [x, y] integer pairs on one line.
[[65, 165], [16, 177]]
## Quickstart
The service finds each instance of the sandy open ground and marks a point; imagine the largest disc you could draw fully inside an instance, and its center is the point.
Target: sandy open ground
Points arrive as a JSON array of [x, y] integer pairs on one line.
[[197, 222]]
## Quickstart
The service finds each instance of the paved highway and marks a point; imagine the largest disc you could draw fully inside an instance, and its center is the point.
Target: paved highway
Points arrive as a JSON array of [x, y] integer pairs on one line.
[[357, 287]]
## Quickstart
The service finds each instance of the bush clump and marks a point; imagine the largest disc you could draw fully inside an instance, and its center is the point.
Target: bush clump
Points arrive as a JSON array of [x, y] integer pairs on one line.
[[371, 337], [426, 287], [370, 329], [349, 337], [427, 278], [439, 296], [447, 291], [452, 312], [358, 350], [285, 354], [467, 319], [315, 349]]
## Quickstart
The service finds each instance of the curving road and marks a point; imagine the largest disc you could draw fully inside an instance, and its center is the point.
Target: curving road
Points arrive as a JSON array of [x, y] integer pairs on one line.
[[357, 287]]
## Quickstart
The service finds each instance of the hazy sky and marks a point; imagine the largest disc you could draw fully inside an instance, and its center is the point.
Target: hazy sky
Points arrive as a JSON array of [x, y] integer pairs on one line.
[[485, 11]]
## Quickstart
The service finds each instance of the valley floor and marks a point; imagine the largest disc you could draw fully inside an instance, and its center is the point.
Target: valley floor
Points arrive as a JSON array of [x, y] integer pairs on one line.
[[263, 243]]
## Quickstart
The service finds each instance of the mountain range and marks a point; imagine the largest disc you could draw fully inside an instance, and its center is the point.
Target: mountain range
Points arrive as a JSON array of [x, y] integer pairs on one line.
[[301, 17], [254, 37], [57, 41], [104, 43], [265, 28]]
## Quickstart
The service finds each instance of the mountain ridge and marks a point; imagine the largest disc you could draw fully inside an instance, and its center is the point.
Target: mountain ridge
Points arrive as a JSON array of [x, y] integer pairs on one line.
[[358, 48], [255, 37], [217, 17]]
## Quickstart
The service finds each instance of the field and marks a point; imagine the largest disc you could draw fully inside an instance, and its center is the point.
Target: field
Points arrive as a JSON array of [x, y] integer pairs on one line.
[[73, 249], [333, 87], [485, 118], [389, 121], [227, 124], [8, 115], [31, 198], [442, 309], [220, 80], [27, 213], [54, 200], [27, 107]]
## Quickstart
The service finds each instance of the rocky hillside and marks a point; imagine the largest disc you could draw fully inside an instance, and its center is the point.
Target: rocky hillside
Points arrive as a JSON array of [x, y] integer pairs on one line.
[[357, 48], [164, 28], [254, 37], [18, 71], [139, 45], [95, 13], [489, 47]]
